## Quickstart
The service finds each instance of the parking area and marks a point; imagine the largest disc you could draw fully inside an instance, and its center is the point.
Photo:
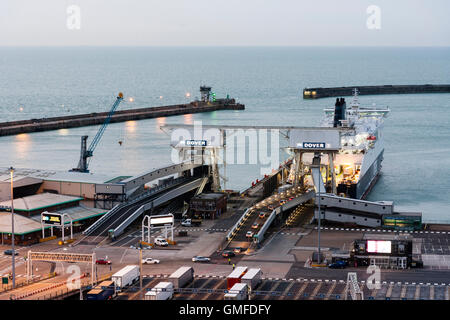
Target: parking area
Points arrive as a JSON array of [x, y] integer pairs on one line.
[[214, 288]]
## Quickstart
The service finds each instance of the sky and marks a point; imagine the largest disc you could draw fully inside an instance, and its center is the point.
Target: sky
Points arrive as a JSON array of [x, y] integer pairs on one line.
[[224, 23]]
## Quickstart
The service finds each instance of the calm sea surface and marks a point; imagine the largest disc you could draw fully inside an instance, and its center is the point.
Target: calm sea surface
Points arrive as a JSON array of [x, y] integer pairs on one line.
[[43, 82]]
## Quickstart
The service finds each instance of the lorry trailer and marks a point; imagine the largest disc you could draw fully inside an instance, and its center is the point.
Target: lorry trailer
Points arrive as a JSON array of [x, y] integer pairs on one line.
[[235, 276], [181, 277], [238, 292], [125, 276], [162, 291], [252, 278]]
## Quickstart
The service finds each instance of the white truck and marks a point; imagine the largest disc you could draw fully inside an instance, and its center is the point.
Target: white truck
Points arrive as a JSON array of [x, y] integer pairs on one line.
[[181, 277], [162, 291], [252, 278], [238, 292], [125, 276]]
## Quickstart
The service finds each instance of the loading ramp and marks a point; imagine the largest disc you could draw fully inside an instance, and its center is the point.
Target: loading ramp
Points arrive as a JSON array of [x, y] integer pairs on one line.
[[119, 217]]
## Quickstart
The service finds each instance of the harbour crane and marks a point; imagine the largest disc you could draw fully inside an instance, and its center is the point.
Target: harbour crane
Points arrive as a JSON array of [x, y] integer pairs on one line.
[[85, 154]]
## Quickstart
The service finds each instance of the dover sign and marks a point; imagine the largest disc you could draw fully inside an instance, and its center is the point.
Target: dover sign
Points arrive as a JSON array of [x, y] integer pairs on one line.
[[315, 139]]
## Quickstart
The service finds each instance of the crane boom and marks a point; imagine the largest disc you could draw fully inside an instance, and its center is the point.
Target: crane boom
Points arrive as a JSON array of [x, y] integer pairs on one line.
[[86, 154]]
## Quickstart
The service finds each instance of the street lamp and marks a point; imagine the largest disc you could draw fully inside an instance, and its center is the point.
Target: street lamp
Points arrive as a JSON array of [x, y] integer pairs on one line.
[[11, 169]]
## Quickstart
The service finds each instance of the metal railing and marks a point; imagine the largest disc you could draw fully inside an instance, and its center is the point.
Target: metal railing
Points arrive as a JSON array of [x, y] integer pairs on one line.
[[95, 225], [230, 235], [26, 282], [156, 202]]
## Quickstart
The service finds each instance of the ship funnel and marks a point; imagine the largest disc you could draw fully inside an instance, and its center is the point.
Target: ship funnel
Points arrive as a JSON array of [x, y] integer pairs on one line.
[[339, 111]]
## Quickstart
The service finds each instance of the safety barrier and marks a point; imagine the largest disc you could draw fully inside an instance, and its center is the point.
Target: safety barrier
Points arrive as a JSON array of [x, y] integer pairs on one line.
[[233, 229]]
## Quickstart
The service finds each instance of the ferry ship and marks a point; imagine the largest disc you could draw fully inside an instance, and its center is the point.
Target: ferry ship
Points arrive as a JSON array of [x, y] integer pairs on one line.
[[358, 162]]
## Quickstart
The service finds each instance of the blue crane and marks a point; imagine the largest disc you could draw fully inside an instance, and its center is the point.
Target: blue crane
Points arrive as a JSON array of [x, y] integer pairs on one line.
[[86, 154]]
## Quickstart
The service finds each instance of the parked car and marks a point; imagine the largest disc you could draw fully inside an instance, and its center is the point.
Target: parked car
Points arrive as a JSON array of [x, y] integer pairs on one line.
[[161, 242], [150, 261], [228, 254], [200, 259], [237, 250], [9, 252], [249, 234], [102, 261], [255, 225], [262, 215], [338, 265]]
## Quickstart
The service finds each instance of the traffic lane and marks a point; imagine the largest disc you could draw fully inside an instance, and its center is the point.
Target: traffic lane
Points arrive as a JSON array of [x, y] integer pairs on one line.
[[439, 292], [196, 283], [410, 292], [396, 292], [265, 285], [292, 292], [411, 275], [221, 285], [307, 292], [280, 289], [202, 284], [424, 293], [245, 227], [337, 291]]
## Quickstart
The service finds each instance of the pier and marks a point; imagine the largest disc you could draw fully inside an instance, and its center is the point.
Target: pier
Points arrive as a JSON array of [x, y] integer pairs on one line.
[[316, 93], [90, 119]]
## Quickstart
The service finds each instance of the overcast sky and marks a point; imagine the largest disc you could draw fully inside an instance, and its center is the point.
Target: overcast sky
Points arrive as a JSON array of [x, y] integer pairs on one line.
[[224, 23]]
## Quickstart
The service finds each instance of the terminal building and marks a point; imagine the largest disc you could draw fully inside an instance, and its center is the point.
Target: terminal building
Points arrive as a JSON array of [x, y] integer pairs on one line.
[[208, 205], [384, 251], [27, 216]]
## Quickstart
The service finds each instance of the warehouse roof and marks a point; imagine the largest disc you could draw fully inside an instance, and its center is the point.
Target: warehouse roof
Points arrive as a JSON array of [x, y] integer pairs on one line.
[[39, 201], [53, 175], [24, 225]]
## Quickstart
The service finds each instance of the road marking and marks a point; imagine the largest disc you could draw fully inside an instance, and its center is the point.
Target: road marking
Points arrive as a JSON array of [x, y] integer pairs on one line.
[[403, 293], [417, 293], [315, 291], [300, 292], [389, 290], [268, 296], [330, 291]]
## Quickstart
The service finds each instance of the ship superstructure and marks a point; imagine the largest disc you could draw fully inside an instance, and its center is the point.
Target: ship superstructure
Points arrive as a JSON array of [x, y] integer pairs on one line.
[[357, 163]]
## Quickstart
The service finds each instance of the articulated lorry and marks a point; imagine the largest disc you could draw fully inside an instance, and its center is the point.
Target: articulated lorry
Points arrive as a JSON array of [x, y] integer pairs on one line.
[[162, 291], [125, 276], [181, 277], [239, 291]]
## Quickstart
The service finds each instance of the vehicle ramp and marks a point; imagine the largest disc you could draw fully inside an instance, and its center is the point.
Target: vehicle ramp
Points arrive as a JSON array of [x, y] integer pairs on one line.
[[156, 202], [297, 201]]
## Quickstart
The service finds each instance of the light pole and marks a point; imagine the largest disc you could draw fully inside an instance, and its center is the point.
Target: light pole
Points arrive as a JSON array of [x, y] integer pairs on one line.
[[11, 169], [318, 231], [140, 270]]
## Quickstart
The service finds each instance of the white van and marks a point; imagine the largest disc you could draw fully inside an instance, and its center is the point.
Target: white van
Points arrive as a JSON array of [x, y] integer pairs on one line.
[[161, 242]]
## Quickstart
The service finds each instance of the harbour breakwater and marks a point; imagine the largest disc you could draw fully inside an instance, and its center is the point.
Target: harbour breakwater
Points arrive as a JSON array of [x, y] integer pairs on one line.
[[90, 119], [316, 93]]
